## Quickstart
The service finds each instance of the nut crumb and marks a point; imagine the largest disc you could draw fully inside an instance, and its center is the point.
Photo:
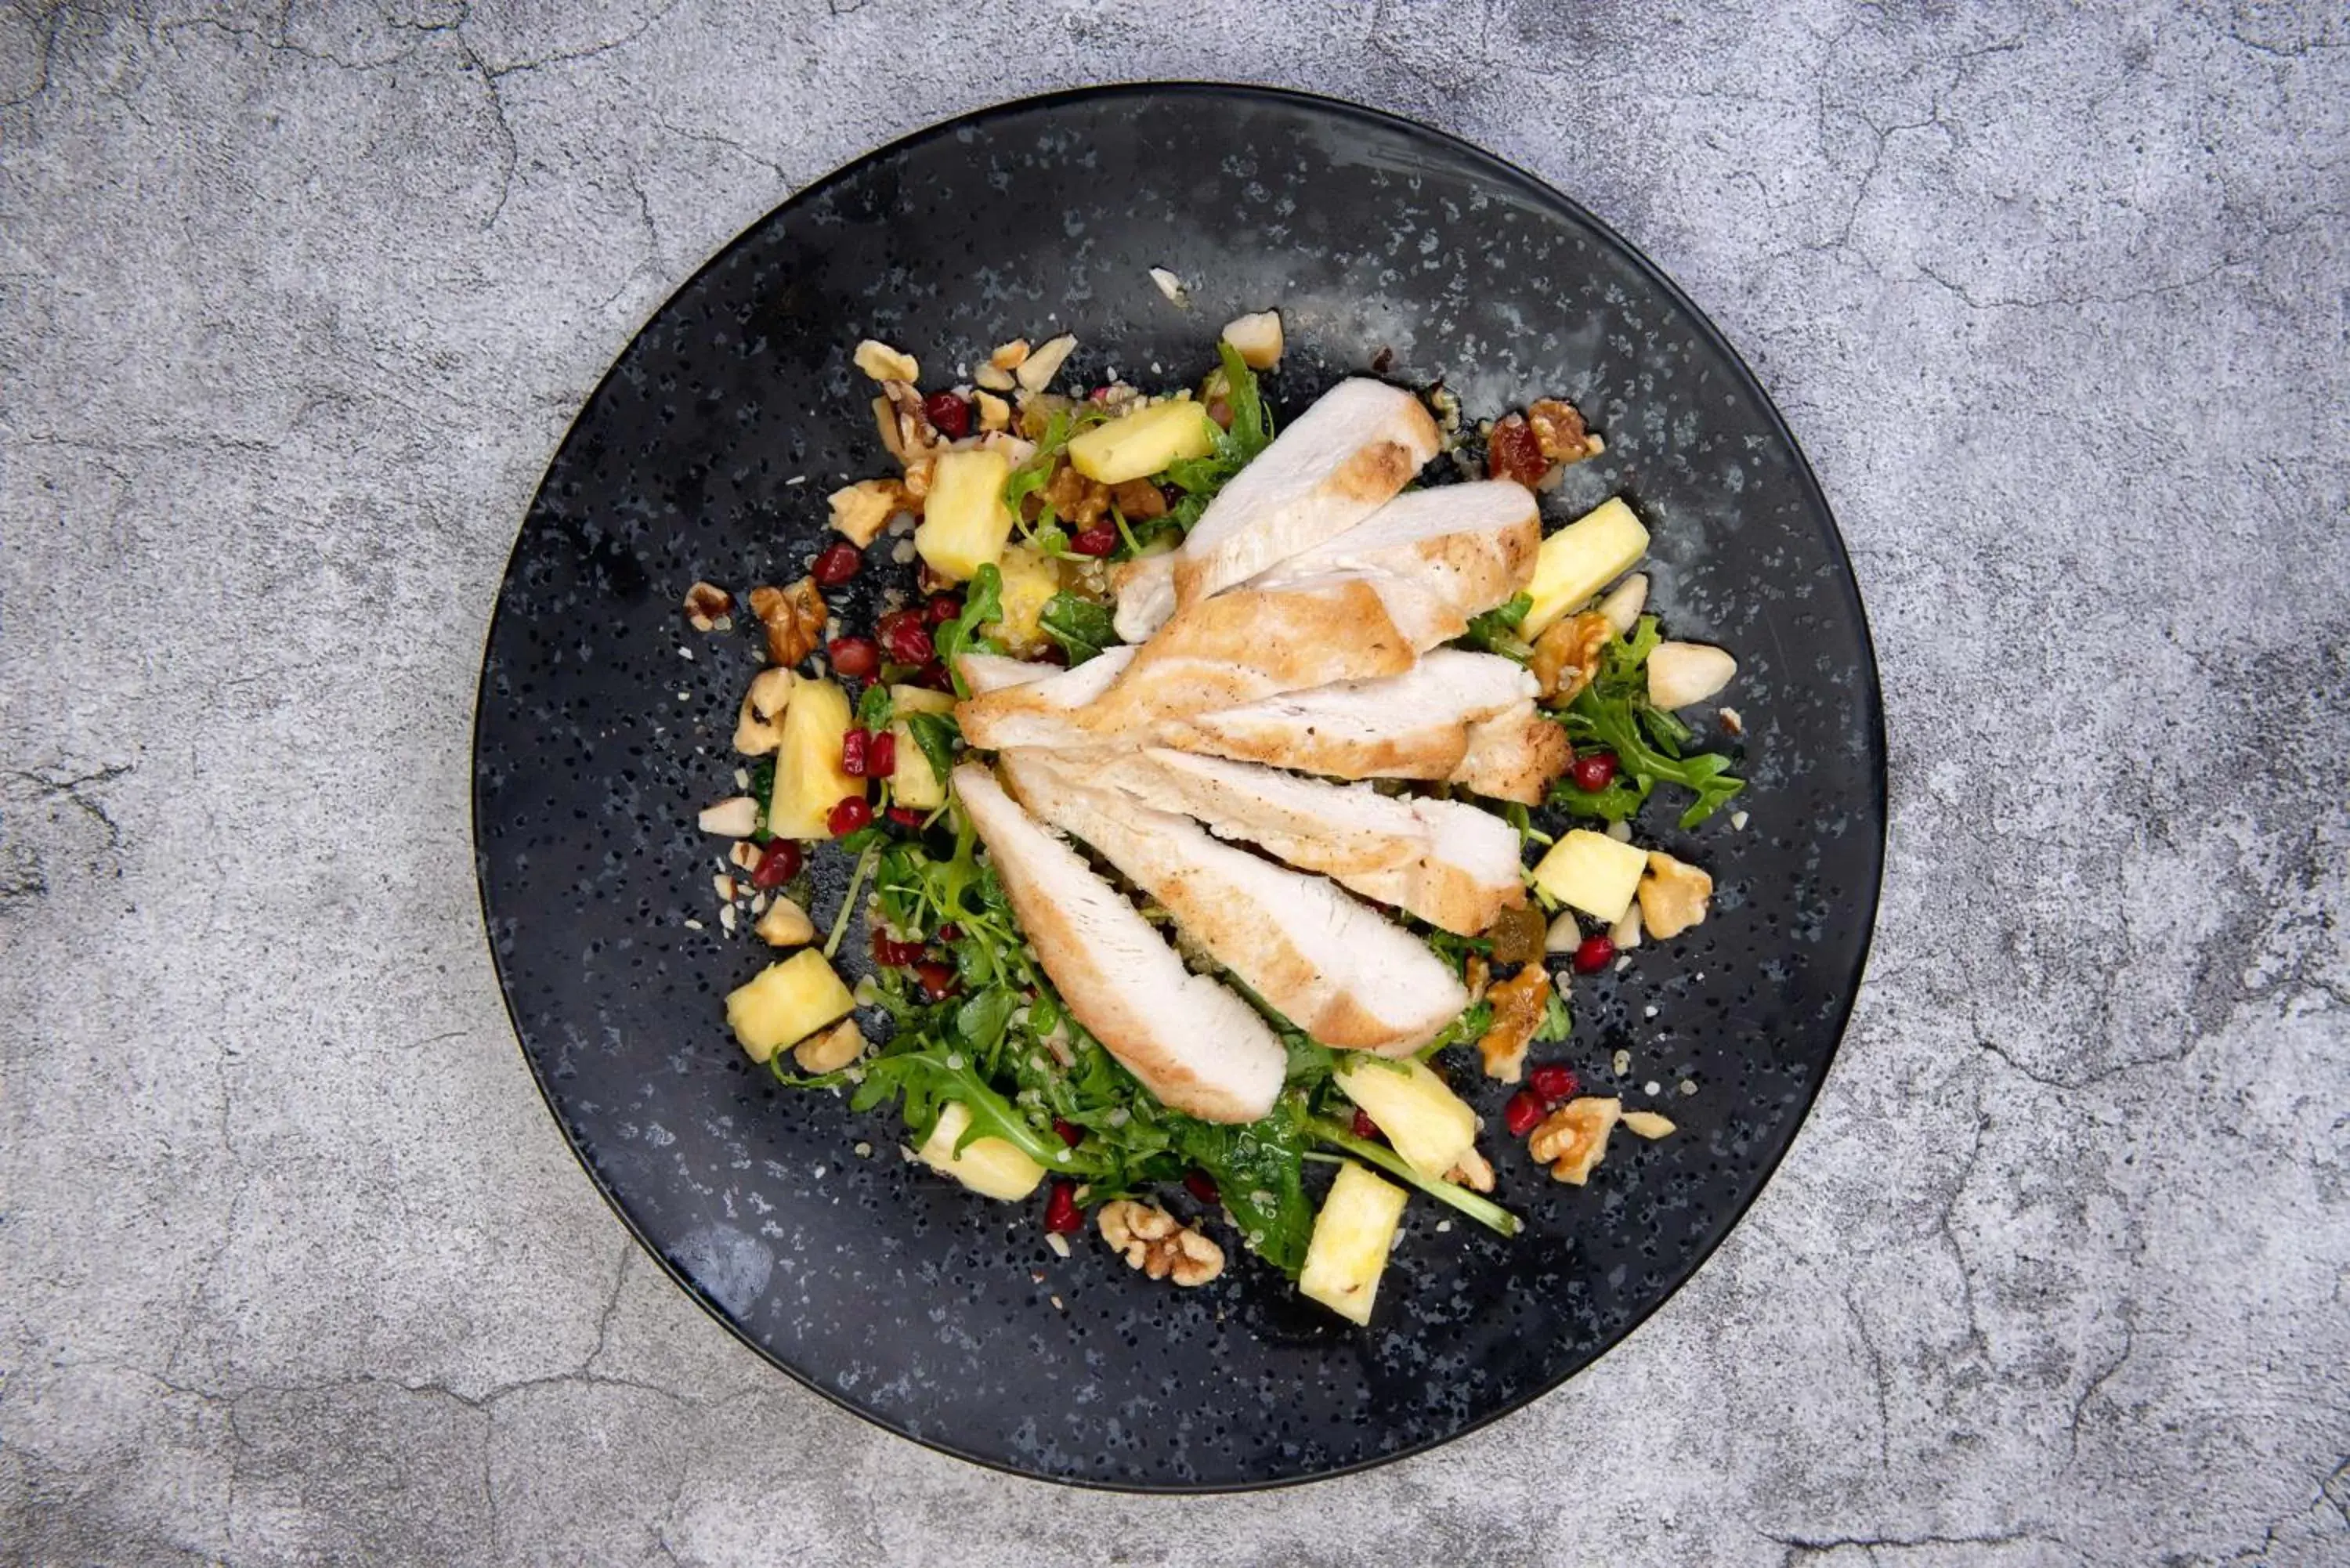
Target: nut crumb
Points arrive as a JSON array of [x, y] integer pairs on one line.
[[726, 918], [1056, 1303], [707, 608], [1673, 896], [1689, 1086], [834, 1048], [1737, 822], [1058, 1242], [883, 363], [794, 618], [1732, 721], [694, 925], [1151, 1240], [1622, 1062], [1170, 285], [864, 1151], [1648, 1124]]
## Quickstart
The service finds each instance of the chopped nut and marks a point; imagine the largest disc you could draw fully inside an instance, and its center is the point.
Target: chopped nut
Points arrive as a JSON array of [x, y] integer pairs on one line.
[[917, 486], [1680, 673], [771, 692], [1625, 932], [1008, 356], [1037, 371], [723, 885], [1078, 502], [884, 363], [786, 924], [1571, 1139], [994, 379], [1672, 896], [1733, 723], [794, 618], [1170, 285], [754, 736], [1256, 337], [1623, 602], [1559, 432], [861, 510], [835, 1048], [905, 429], [1474, 974], [1473, 1171], [1621, 1062], [707, 608], [1138, 500], [1649, 1124], [744, 855], [737, 816], [1150, 1239], [1566, 656], [758, 728], [994, 413], [1519, 1003]]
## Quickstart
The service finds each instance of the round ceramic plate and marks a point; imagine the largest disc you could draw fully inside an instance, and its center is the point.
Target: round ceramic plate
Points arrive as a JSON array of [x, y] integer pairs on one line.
[[604, 726]]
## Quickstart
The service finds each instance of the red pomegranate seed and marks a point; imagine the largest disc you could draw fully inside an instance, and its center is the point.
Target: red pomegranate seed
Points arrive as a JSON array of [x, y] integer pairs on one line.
[[1099, 540], [778, 865], [1553, 1083], [850, 815], [1593, 954], [856, 752], [892, 954], [1202, 1186], [1061, 1215], [1593, 772], [949, 413], [942, 608], [1525, 1109], [854, 656], [1365, 1126], [905, 817], [881, 755], [949, 932], [906, 637], [1071, 1133], [933, 677], [938, 979], [836, 563]]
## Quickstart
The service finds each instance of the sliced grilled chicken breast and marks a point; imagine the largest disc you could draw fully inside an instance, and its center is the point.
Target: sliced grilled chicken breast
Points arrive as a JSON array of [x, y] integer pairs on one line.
[[1017, 703], [1513, 755], [1146, 594], [1408, 726], [1332, 966], [1339, 462], [986, 672], [1472, 545], [1192, 1043], [1449, 863]]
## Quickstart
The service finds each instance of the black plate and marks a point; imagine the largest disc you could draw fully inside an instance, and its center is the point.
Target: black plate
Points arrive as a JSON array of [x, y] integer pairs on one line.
[[930, 1311]]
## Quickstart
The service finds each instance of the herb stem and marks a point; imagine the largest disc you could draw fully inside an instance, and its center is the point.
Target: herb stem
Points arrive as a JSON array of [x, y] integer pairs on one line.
[[1485, 1211], [849, 901]]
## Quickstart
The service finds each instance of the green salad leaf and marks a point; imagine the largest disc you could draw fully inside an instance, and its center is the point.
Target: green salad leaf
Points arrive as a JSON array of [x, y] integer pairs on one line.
[[983, 602], [1614, 713], [1081, 626], [1496, 630]]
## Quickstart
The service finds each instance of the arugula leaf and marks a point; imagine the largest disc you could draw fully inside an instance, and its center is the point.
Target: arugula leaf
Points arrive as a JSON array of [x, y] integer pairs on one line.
[[937, 735], [1251, 433], [1496, 630], [933, 1076], [874, 706], [1614, 713], [1557, 1021], [1474, 1020], [983, 602], [1259, 1172], [1081, 626], [762, 790]]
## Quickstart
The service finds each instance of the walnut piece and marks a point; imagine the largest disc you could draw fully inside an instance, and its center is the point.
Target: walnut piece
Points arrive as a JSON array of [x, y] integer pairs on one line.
[[709, 608], [1519, 1003], [905, 429], [794, 618], [1648, 1124], [883, 363], [1150, 1239], [1571, 1139], [1559, 432], [1567, 656], [1473, 1171], [1078, 502], [1008, 357], [994, 413], [1672, 895], [860, 511], [1138, 500], [834, 1049]]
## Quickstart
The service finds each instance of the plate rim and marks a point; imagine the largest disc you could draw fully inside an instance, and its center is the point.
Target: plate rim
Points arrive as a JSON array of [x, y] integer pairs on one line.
[[1541, 192]]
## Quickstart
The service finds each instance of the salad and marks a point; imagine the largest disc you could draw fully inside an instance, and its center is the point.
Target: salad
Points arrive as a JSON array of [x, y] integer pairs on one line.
[[1219, 800]]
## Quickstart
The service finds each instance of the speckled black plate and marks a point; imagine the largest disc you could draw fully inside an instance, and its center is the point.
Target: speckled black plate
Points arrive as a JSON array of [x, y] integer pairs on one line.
[[604, 724]]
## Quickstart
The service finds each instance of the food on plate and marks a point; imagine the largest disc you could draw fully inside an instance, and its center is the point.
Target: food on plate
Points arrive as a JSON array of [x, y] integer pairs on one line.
[[1221, 807]]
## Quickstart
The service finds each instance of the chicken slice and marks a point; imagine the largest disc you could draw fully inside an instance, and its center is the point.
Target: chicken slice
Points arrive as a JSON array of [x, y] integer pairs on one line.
[[1146, 594], [1514, 755], [1335, 968], [1017, 703], [1192, 1043], [1336, 464], [1472, 545], [986, 672], [1450, 863], [1409, 726]]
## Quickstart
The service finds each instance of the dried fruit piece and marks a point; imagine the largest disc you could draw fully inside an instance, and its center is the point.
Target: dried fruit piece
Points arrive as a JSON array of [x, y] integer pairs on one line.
[[1519, 1003]]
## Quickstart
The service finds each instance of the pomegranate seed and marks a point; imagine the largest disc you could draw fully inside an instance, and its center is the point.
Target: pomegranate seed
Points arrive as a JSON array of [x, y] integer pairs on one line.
[[881, 755], [949, 932], [942, 608], [1071, 1133], [906, 637], [1525, 1109], [1061, 1215], [850, 815], [892, 954], [1553, 1083], [933, 677], [1591, 774], [1099, 540], [949, 413], [1365, 1126], [856, 752], [1202, 1186], [778, 865], [1593, 954], [905, 817], [938, 979], [836, 563], [854, 656]]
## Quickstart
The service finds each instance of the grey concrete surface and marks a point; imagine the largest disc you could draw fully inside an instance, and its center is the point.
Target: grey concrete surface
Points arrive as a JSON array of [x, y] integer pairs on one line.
[[298, 300]]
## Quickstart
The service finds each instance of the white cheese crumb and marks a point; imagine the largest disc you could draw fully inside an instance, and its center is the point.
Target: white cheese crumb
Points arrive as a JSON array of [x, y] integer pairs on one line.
[[1738, 821], [1058, 1242], [1622, 1063], [1651, 1087]]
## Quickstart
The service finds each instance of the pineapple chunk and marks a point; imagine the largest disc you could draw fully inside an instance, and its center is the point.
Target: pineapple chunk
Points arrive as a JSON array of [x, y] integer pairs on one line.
[[1142, 443], [809, 778], [964, 520], [920, 700], [1579, 560], [786, 1002], [1591, 872], [1429, 1124], [914, 784], [1030, 581], [1351, 1237], [990, 1167]]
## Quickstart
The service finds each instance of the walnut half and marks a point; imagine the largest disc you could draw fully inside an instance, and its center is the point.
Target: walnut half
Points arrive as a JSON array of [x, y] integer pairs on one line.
[[794, 618], [1150, 1239], [1571, 1139]]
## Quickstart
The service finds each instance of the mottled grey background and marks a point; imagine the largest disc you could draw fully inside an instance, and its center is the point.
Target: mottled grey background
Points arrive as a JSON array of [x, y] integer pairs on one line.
[[297, 302]]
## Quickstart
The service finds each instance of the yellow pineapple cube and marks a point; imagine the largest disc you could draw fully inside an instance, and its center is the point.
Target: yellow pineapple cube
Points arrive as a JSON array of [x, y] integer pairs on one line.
[[1352, 1236], [1137, 445], [1591, 872], [989, 1166], [809, 779], [1429, 1124], [964, 520], [786, 1002], [1579, 560]]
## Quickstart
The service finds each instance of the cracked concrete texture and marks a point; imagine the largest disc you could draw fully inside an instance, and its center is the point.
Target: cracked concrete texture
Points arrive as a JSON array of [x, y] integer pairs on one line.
[[298, 300]]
